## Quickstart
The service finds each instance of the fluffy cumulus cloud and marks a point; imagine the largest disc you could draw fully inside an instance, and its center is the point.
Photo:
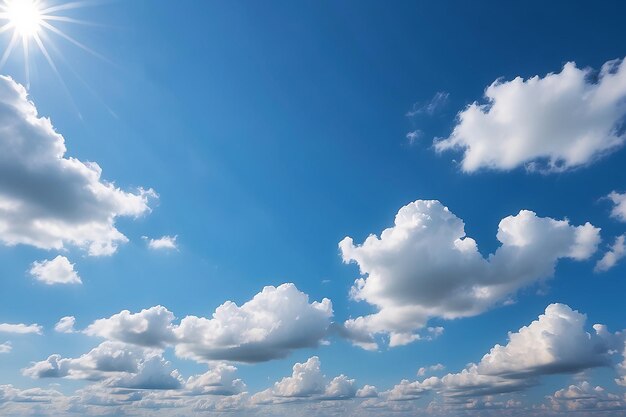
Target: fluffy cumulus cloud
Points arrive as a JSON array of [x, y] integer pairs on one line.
[[272, 324], [48, 200], [425, 266], [307, 382], [150, 327], [552, 123], [556, 343], [162, 243], [65, 325], [106, 360], [611, 257], [276, 321], [219, 380], [21, 328], [56, 271]]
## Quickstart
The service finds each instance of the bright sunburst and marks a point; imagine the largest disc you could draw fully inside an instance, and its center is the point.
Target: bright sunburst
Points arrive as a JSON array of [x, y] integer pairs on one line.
[[29, 21]]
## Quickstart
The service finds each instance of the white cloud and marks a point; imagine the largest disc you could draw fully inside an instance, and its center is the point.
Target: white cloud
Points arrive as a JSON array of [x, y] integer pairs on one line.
[[56, 271], [275, 322], [48, 200], [429, 369], [406, 390], [21, 328], [619, 205], [65, 325], [106, 360], [307, 382], [368, 391], [425, 266], [554, 123], [585, 397], [436, 103], [162, 243], [151, 327], [556, 343], [153, 373], [5, 347], [616, 252], [219, 380], [413, 136]]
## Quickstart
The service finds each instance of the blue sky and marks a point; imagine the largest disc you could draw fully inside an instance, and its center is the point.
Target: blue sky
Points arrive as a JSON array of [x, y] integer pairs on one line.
[[240, 142]]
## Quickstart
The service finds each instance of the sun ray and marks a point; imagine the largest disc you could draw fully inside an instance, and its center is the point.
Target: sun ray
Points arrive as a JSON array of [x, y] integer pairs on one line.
[[67, 6], [26, 61], [7, 52], [68, 38]]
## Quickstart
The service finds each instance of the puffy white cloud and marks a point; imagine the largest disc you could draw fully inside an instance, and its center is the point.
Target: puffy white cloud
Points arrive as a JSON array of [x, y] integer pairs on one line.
[[103, 361], [5, 347], [341, 387], [552, 123], [368, 391], [619, 205], [163, 243], [153, 373], [556, 343], [48, 200], [21, 328], [307, 382], [425, 266], [219, 380], [406, 390], [616, 252], [275, 322], [151, 327], [56, 271], [65, 325]]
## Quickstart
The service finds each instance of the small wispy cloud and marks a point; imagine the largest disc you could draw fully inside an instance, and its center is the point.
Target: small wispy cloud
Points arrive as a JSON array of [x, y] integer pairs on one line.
[[436, 103], [162, 243], [414, 136], [5, 347]]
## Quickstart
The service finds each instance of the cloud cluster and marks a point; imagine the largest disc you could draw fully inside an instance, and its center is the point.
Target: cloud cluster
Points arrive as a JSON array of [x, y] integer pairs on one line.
[[425, 266], [272, 324], [276, 321], [307, 382], [48, 200], [56, 271], [552, 123], [556, 343], [584, 397]]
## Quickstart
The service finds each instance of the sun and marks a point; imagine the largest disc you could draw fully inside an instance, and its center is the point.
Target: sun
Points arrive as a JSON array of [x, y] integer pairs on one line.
[[32, 21], [24, 16]]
